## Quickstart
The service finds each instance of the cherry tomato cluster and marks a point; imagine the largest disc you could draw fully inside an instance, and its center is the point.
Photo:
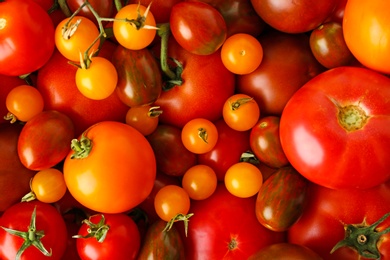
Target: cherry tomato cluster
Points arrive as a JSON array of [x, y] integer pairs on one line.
[[194, 129]]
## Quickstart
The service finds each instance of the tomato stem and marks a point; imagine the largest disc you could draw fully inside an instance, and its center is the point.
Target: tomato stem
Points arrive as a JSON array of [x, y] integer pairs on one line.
[[363, 238], [31, 238], [81, 147], [64, 8], [179, 217], [239, 102], [98, 231]]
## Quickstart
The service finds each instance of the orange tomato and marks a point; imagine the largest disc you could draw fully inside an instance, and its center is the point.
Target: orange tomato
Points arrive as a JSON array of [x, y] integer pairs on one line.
[[199, 135], [243, 180], [200, 182]]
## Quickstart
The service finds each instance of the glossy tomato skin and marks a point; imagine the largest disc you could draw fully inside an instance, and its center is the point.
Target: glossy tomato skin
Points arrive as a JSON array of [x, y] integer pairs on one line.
[[161, 9], [294, 17], [139, 76], [227, 151], [122, 240], [117, 174], [198, 27], [56, 82], [104, 8], [265, 142], [172, 157], [315, 141], [285, 251], [206, 86], [45, 140], [281, 199], [321, 226], [287, 64], [14, 177], [7, 83], [20, 38], [48, 220], [233, 232]]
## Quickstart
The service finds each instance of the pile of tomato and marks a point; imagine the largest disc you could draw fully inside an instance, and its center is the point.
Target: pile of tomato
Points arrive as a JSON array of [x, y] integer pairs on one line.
[[194, 129]]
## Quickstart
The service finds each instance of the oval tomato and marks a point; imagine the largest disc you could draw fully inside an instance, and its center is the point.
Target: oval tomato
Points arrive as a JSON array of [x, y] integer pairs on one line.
[[367, 34], [19, 38], [233, 232], [111, 168], [45, 140], [343, 137]]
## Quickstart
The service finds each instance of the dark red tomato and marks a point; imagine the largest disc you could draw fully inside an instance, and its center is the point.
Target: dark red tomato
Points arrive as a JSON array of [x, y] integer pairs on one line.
[[328, 46], [161, 9], [329, 213], [139, 76], [108, 236], [45, 140], [56, 82], [161, 244], [198, 27], [265, 142], [171, 155], [334, 130], [240, 19], [287, 64], [228, 150], [294, 16], [281, 199], [55, 14], [6, 84], [20, 38], [14, 177], [232, 230], [285, 251], [49, 228], [104, 8], [147, 205], [338, 13], [207, 84]]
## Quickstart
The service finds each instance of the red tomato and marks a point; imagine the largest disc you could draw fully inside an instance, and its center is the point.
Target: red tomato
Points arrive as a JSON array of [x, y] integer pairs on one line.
[[285, 251], [56, 82], [198, 27], [46, 227], [19, 38], [207, 84], [367, 34], [111, 169], [329, 212], [108, 236], [224, 227], [334, 130], [161, 9], [104, 8], [294, 16]]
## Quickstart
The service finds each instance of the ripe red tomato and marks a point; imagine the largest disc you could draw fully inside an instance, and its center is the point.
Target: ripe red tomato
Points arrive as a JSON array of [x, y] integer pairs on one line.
[[285, 251], [108, 236], [111, 169], [224, 227], [19, 38], [46, 227], [334, 130], [329, 212], [367, 34]]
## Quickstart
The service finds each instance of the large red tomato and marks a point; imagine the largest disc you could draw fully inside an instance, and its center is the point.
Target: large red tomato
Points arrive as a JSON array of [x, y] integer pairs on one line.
[[207, 84], [367, 32], [335, 129], [225, 227], [328, 217]]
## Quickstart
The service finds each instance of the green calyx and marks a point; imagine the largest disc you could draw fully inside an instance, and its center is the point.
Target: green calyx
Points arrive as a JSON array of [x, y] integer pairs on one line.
[[31, 238], [179, 217], [98, 231], [81, 148], [363, 238]]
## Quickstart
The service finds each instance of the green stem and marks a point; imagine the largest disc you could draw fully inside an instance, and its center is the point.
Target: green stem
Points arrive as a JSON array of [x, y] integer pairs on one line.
[[81, 147], [98, 231], [64, 8], [164, 32]]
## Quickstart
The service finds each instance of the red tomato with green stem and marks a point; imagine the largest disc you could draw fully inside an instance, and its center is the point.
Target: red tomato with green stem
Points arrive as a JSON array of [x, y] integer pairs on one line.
[[36, 220], [20, 38], [347, 114]]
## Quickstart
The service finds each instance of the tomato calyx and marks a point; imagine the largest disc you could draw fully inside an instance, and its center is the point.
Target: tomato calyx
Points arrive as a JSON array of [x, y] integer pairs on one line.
[[98, 231], [10, 117], [202, 133], [81, 147], [239, 102], [363, 238], [29, 196], [352, 117], [179, 217], [154, 112], [32, 237], [249, 157]]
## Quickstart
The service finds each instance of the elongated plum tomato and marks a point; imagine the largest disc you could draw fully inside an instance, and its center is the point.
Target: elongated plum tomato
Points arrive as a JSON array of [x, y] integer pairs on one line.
[[111, 168]]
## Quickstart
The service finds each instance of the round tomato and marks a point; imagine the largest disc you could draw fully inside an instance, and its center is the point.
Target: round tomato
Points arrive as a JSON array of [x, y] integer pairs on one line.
[[285, 251], [40, 232], [103, 8], [24, 48], [198, 27], [334, 130], [331, 216], [367, 34], [7, 83], [199, 135], [199, 181], [108, 236], [143, 118], [111, 168]]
